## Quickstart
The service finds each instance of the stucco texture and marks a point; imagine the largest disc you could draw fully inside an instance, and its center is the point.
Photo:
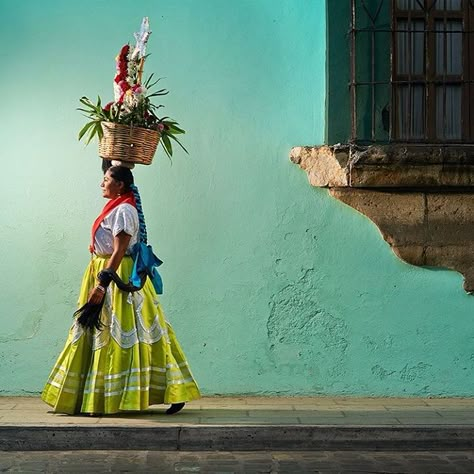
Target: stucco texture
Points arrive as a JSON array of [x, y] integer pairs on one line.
[[272, 286]]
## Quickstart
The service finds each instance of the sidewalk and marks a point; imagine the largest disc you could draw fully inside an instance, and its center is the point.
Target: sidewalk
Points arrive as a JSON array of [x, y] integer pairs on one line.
[[255, 423]]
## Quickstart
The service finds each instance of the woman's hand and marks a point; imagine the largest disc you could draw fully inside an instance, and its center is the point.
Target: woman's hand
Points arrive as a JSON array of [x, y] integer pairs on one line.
[[96, 295], [121, 241]]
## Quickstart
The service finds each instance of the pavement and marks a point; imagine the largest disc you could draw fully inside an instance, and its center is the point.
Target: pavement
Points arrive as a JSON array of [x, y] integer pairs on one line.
[[290, 462], [248, 424]]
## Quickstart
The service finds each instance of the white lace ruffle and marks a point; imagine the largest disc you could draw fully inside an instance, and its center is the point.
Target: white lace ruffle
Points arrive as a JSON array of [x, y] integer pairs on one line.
[[112, 327]]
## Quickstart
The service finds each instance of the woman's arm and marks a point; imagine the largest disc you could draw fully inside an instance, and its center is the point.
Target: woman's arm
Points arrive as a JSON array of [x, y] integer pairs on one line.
[[121, 242]]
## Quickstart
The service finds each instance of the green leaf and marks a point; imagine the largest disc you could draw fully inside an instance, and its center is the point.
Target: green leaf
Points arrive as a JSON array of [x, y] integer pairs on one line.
[[167, 145], [92, 133], [85, 101], [85, 128], [100, 131], [156, 94], [179, 143], [153, 84], [176, 130], [88, 112], [147, 81]]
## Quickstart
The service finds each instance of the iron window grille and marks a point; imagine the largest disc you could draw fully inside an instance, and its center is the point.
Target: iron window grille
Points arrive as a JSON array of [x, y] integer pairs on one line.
[[411, 75]]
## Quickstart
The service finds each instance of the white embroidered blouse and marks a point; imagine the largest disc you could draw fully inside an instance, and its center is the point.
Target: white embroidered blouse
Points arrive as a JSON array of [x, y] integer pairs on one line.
[[124, 217]]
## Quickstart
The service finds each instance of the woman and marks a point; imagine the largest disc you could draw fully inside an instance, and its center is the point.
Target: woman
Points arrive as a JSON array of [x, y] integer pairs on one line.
[[128, 357]]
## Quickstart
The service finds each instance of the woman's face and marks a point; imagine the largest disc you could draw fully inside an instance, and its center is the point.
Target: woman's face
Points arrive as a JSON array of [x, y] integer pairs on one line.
[[111, 188]]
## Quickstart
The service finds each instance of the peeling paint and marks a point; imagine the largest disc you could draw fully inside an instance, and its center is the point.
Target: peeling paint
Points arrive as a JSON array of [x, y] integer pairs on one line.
[[296, 319], [375, 344], [382, 373], [30, 326], [418, 371]]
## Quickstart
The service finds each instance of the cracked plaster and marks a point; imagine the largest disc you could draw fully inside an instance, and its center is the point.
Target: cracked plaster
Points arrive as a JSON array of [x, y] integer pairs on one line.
[[297, 320]]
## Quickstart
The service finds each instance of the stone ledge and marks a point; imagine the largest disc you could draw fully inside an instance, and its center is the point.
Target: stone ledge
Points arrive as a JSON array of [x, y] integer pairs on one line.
[[420, 197], [382, 166], [237, 438]]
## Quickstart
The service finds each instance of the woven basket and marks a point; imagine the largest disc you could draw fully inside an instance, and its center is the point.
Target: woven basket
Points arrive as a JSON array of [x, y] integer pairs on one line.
[[126, 143]]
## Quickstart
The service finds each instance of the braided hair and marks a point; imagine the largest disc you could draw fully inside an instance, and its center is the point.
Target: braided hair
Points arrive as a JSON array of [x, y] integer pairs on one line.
[[123, 174], [141, 216]]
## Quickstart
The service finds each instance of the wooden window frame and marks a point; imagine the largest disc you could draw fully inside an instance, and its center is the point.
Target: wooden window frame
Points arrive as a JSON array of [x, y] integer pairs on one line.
[[430, 80]]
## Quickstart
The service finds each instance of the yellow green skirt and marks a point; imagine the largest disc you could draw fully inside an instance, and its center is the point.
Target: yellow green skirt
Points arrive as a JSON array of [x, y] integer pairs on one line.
[[134, 361]]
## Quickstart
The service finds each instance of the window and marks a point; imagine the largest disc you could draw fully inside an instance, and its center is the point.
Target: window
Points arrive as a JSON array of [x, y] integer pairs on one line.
[[425, 92], [404, 155]]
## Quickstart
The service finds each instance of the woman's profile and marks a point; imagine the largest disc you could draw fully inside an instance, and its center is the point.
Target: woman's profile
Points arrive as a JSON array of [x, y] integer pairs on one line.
[[121, 354]]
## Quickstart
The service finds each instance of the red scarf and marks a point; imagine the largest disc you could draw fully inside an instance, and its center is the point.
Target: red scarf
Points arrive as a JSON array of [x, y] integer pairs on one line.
[[127, 198]]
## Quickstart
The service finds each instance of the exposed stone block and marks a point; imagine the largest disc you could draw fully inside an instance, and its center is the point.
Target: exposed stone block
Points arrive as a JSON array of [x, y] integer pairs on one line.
[[413, 254], [324, 166], [399, 216]]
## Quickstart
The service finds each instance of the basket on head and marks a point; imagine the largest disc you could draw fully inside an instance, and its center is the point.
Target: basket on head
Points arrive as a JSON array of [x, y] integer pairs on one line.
[[127, 143]]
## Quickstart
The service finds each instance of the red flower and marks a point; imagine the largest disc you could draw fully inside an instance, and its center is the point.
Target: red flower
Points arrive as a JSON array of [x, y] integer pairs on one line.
[[124, 51], [124, 85], [137, 88], [108, 106]]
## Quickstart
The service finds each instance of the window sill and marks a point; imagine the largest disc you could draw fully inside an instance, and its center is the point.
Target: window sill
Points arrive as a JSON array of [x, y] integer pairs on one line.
[[387, 166], [421, 197]]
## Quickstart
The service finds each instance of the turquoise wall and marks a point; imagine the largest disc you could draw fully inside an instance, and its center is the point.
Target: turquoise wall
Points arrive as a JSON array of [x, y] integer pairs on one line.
[[272, 286]]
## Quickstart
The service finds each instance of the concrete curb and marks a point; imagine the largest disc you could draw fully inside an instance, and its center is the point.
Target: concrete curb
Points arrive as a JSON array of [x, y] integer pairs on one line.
[[236, 438]]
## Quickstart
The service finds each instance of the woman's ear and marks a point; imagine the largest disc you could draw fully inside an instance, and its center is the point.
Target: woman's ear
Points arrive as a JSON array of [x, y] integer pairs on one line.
[[121, 187]]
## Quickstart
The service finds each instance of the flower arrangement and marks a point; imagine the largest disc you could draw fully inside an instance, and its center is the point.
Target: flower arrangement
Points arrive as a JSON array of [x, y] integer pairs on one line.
[[132, 105]]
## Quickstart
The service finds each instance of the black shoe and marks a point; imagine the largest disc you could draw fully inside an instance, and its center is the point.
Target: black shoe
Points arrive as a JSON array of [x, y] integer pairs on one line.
[[174, 408]]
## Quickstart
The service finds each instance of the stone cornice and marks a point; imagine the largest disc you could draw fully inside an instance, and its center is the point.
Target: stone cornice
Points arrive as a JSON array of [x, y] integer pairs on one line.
[[386, 166]]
